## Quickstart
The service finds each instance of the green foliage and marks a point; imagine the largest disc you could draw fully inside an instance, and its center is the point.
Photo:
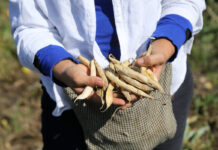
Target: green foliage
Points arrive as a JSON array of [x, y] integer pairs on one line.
[[204, 52], [201, 134], [193, 138], [8, 58]]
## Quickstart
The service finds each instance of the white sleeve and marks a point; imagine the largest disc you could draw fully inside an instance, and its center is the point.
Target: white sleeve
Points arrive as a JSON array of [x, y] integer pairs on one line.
[[31, 30], [189, 9]]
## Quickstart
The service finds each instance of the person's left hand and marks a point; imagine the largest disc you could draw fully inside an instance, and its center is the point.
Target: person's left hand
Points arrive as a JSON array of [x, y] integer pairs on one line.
[[162, 50]]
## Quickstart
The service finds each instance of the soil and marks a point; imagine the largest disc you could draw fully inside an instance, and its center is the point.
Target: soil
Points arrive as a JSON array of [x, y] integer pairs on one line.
[[20, 113]]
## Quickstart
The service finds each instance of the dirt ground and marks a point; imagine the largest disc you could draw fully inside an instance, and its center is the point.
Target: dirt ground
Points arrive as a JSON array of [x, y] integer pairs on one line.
[[20, 113]]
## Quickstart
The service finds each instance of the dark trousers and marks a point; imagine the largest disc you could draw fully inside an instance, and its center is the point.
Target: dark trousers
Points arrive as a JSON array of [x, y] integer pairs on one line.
[[60, 133], [65, 133]]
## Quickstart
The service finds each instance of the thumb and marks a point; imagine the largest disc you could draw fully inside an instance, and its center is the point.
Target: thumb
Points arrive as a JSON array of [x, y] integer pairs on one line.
[[94, 81], [152, 60]]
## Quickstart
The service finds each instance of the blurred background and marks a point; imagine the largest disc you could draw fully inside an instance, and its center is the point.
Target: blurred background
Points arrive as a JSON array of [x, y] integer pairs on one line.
[[20, 91]]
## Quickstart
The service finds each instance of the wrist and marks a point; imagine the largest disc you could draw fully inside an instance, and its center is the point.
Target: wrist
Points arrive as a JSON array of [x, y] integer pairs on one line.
[[165, 46], [60, 68]]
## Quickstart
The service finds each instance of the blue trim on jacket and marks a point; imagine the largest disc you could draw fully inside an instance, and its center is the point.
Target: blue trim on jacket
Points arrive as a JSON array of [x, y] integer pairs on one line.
[[47, 57], [175, 28]]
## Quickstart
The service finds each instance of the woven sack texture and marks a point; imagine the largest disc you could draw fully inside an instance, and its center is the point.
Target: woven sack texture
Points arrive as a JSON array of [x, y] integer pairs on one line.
[[141, 127]]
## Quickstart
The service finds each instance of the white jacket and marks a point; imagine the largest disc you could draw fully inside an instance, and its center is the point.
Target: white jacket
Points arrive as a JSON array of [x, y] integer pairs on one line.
[[72, 24]]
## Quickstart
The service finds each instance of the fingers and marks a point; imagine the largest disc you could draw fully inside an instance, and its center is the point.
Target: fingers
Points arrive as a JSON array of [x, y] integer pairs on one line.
[[84, 68], [81, 80], [117, 95], [118, 102], [118, 99], [89, 80], [78, 76], [95, 98], [126, 106], [78, 90], [133, 97], [162, 50], [152, 60], [93, 81], [157, 70]]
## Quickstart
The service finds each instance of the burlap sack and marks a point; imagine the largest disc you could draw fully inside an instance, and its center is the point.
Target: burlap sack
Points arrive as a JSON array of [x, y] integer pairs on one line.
[[141, 127]]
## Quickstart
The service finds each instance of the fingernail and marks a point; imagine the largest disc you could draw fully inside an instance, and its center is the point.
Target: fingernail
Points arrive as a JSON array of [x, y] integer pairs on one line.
[[140, 61], [123, 102], [100, 82]]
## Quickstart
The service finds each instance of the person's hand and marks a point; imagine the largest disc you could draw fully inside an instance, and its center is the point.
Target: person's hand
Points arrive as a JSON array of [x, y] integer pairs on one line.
[[162, 51], [76, 76]]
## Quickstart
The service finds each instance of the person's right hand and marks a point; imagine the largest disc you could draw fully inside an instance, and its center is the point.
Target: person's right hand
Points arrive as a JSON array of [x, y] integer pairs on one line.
[[76, 76]]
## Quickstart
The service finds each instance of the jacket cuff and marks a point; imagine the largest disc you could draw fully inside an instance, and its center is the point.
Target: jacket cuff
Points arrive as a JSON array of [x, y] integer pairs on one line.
[[176, 29], [47, 57]]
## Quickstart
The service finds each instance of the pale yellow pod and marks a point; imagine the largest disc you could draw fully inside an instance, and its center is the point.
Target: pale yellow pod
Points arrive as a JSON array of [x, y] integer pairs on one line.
[[84, 61], [126, 94], [124, 85], [101, 74], [85, 94], [151, 75], [88, 89], [111, 66], [135, 68], [136, 75], [113, 59], [143, 71], [109, 96], [126, 63], [148, 73], [100, 93], [93, 68], [136, 83]]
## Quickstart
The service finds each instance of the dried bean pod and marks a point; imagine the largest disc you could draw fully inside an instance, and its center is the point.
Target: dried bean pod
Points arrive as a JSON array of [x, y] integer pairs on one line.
[[111, 66], [126, 94], [85, 94], [102, 75], [136, 83], [109, 96], [88, 89], [84, 61], [113, 59], [124, 85], [100, 93], [151, 75], [126, 63], [136, 75]]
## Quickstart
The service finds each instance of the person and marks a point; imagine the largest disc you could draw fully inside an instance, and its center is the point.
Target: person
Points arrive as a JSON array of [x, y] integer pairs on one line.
[[51, 34]]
